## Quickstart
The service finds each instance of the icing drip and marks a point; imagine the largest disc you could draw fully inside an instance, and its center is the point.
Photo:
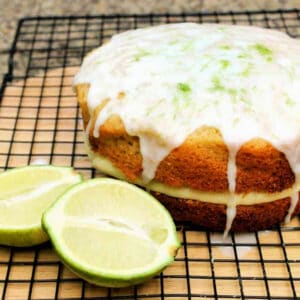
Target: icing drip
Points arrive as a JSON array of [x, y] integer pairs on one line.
[[153, 158], [176, 78], [293, 158], [231, 205], [294, 202]]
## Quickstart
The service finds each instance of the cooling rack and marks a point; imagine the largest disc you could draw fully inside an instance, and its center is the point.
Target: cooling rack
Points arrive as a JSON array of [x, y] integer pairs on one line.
[[40, 123]]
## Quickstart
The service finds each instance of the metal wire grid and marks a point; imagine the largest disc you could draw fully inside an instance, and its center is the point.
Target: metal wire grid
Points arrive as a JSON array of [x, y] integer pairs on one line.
[[40, 122]]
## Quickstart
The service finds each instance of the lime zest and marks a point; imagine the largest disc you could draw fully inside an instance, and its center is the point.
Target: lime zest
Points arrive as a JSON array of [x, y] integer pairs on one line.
[[188, 45], [246, 72], [289, 101], [264, 51], [217, 86], [184, 87], [224, 63], [140, 54], [225, 47]]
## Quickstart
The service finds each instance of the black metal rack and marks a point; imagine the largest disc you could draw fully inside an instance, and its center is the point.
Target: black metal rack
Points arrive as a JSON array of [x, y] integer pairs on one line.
[[39, 120]]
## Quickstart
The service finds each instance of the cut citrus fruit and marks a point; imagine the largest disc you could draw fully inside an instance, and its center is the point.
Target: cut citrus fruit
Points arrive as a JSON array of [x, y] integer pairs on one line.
[[111, 233], [25, 193]]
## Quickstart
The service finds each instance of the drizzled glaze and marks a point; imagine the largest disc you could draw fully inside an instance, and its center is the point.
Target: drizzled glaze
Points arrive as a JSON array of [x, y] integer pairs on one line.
[[245, 81]]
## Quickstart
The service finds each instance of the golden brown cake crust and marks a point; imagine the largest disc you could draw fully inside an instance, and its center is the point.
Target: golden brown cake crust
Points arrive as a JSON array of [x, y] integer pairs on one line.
[[199, 163], [213, 216]]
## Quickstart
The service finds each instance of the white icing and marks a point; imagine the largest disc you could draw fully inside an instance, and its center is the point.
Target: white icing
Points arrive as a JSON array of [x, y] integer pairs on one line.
[[245, 81], [294, 201], [247, 240], [247, 243], [231, 175]]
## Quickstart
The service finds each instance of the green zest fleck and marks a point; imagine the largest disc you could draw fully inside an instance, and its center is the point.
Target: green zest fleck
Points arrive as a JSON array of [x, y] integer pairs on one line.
[[225, 47], [237, 95], [264, 51], [232, 92], [244, 55], [188, 45], [292, 72], [289, 101], [217, 86], [224, 63], [204, 66], [173, 42], [141, 53], [236, 121], [159, 116], [153, 108], [150, 110], [245, 100], [180, 104], [184, 87], [246, 72], [175, 101]]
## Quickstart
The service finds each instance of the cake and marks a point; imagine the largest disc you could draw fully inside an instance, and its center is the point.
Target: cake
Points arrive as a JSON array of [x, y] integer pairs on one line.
[[205, 117]]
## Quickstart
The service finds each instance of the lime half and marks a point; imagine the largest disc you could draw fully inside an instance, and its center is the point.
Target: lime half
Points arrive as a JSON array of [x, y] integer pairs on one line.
[[111, 233], [25, 193]]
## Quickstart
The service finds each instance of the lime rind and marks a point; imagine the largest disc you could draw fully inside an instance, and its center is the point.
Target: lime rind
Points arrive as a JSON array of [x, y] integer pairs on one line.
[[25, 237], [65, 252], [54, 221], [107, 279]]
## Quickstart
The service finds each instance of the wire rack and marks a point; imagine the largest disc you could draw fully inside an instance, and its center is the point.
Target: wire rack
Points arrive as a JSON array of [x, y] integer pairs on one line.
[[40, 123]]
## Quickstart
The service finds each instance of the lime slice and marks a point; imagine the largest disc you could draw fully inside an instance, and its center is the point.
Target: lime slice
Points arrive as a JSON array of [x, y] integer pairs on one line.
[[111, 233], [25, 193]]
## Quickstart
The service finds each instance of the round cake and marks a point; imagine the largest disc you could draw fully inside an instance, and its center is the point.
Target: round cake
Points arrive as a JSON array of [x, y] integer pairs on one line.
[[205, 117]]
